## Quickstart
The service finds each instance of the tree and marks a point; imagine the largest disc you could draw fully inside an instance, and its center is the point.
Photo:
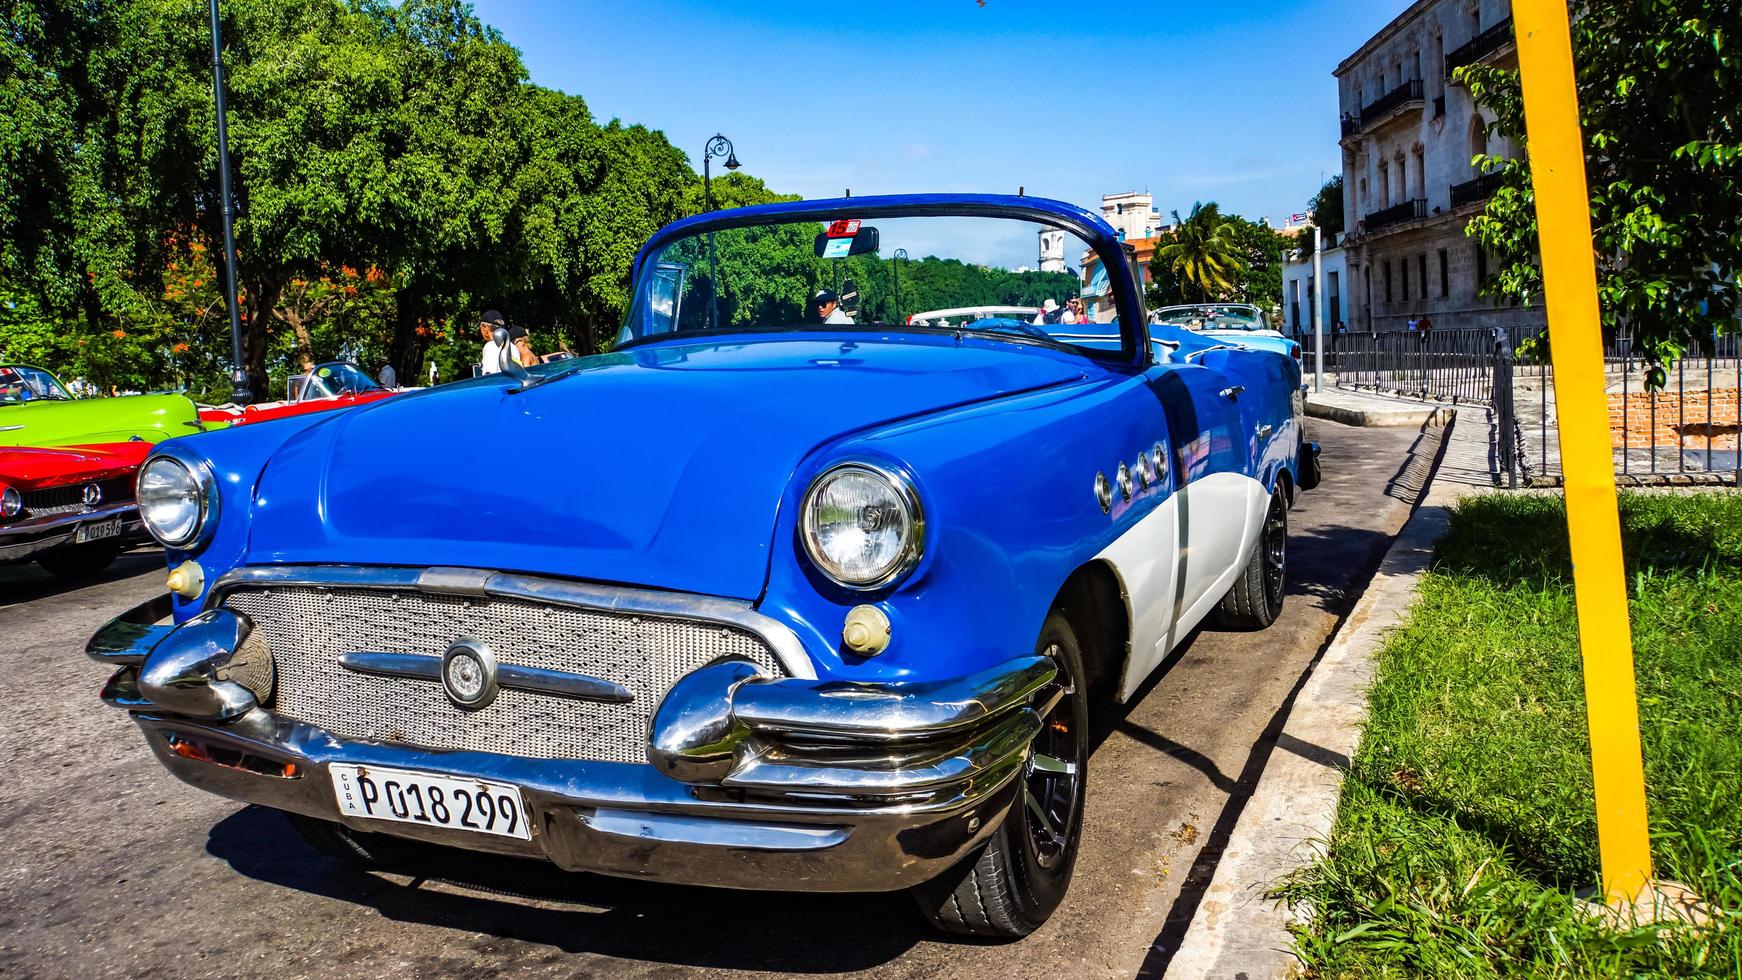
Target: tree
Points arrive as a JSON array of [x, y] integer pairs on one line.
[[1262, 253], [1204, 253], [1326, 208], [1659, 84]]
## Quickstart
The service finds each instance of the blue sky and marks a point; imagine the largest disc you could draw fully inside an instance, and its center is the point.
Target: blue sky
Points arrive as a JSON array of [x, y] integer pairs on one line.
[[1231, 101]]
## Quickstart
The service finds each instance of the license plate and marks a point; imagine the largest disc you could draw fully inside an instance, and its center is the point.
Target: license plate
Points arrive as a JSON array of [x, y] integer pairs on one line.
[[433, 801], [97, 531]]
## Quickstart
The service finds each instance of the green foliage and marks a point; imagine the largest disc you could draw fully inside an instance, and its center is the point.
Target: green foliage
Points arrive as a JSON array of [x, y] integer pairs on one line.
[[1468, 821], [1204, 254], [1659, 82], [400, 138], [1327, 207]]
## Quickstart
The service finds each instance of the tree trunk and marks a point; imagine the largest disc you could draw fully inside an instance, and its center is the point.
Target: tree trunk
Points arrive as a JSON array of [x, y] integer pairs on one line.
[[262, 296], [305, 344], [404, 348]]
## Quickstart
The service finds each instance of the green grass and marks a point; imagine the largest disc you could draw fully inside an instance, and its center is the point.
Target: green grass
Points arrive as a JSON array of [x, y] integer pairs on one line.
[[1467, 824]]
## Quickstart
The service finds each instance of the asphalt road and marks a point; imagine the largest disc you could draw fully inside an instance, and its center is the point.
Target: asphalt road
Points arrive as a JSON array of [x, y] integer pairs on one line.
[[109, 867]]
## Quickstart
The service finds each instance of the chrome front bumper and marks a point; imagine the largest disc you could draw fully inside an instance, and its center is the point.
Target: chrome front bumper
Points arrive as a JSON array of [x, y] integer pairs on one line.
[[29, 538], [786, 784]]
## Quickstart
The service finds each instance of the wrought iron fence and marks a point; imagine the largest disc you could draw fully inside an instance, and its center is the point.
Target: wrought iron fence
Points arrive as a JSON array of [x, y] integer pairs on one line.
[[1687, 431], [1684, 432]]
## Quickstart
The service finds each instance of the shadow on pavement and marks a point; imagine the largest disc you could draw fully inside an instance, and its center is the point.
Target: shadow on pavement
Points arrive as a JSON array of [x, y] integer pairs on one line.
[[27, 582], [539, 903]]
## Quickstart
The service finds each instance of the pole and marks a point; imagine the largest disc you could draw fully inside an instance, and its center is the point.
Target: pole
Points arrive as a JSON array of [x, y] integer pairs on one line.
[[1318, 309], [707, 206], [1557, 163], [240, 392]]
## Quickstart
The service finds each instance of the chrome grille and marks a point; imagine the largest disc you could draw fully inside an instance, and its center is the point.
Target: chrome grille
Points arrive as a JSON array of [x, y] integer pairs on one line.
[[308, 628], [71, 499]]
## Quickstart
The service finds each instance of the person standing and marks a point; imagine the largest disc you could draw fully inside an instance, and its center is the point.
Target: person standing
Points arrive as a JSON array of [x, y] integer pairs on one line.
[[388, 377], [826, 307], [522, 349], [491, 360]]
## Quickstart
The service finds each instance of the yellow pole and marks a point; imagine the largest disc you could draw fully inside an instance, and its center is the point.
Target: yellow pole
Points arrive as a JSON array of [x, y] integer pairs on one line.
[[1557, 164]]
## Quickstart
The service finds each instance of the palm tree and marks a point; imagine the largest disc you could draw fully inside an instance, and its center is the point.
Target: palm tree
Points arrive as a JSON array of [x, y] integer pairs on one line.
[[1203, 252]]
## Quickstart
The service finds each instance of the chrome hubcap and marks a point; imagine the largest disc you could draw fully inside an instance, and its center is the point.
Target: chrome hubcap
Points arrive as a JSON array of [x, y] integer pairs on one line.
[[1052, 779]]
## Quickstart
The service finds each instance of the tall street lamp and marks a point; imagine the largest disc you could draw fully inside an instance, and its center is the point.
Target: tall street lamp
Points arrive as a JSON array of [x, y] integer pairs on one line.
[[895, 261], [240, 393], [719, 146]]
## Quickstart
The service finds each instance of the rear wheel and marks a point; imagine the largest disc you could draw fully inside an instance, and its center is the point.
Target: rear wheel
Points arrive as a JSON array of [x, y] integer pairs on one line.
[[1018, 877], [1256, 598], [80, 560], [356, 847]]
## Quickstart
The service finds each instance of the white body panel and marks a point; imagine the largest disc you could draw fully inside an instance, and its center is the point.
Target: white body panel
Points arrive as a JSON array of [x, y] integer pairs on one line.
[[1178, 561]]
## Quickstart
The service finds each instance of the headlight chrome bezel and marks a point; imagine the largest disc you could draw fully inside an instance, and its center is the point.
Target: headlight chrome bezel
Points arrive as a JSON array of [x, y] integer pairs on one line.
[[206, 486], [912, 548]]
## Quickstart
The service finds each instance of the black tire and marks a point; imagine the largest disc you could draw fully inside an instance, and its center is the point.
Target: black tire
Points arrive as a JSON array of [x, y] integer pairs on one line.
[[1256, 598], [80, 560], [1009, 887], [365, 850]]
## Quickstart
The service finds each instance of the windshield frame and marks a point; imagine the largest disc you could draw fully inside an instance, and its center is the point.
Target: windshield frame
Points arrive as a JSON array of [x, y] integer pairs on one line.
[[1090, 228], [65, 393], [1261, 321]]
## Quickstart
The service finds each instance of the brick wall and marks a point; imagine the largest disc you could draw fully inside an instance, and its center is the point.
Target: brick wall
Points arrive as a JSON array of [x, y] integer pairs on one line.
[[1681, 418]]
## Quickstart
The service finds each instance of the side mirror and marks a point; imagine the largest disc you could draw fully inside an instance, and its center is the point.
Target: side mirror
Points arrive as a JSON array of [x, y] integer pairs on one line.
[[850, 297]]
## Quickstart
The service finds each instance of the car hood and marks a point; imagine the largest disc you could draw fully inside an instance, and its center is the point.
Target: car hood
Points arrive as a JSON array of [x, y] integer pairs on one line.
[[661, 466], [89, 421], [37, 468]]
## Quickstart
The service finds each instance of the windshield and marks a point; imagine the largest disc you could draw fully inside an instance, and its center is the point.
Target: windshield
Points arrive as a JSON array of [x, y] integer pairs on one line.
[[19, 384], [336, 378], [1214, 317], [991, 276]]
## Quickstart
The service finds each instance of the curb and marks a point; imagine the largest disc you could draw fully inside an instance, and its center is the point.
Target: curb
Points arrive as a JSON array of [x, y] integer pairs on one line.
[[1386, 418], [1238, 930]]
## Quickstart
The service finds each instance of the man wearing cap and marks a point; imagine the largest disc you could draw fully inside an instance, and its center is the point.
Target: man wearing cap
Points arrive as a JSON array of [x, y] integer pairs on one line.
[[491, 362], [827, 308]]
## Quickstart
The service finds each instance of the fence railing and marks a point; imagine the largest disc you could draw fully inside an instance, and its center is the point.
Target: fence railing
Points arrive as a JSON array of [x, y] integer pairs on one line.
[[1685, 432], [1479, 47]]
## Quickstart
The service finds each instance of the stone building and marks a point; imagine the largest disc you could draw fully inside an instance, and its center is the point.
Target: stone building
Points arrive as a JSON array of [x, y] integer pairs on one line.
[[1409, 186]]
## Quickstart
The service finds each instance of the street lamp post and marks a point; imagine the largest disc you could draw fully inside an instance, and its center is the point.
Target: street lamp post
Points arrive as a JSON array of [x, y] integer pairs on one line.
[[240, 393], [719, 146], [895, 261]]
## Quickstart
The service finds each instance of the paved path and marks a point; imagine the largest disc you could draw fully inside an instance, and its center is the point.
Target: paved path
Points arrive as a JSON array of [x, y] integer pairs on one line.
[[109, 867]]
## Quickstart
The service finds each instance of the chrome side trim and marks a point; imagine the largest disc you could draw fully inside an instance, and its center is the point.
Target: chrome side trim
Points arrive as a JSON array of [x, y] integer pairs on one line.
[[417, 666], [889, 712], [781, 640]]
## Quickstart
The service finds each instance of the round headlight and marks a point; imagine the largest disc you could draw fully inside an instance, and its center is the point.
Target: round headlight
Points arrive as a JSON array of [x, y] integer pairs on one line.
[[862, 525], [11, 503], [177, 501]]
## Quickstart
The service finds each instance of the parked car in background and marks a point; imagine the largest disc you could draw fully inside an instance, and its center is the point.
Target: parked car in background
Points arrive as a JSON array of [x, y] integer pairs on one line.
[[36, 409], [331, 386], [813, 606], [970, 314], [70, 510], [1239, 323]]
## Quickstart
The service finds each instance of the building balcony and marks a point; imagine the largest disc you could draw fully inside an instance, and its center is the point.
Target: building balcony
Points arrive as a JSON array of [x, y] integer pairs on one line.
[[1397, 214], [1475, 191], [1391, 105], [1481, 47]]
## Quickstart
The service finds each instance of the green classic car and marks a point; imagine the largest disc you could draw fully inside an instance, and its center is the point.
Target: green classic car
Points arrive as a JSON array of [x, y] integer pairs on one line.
[[37, 410]]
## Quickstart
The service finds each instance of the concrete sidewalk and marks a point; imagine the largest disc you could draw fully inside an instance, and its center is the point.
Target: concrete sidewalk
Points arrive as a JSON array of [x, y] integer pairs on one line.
[[1238, 930]]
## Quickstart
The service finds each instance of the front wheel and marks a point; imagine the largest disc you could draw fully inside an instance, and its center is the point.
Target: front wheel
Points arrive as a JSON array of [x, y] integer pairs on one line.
[[1018, 877], [1256, 598]]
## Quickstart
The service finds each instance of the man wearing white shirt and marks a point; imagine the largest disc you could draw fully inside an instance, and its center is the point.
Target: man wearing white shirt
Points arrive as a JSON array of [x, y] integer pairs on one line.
[[827, 307], [491, 361]]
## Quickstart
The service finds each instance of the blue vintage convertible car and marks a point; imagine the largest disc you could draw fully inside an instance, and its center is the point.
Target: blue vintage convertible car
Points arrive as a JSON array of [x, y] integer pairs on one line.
[[789, 595]]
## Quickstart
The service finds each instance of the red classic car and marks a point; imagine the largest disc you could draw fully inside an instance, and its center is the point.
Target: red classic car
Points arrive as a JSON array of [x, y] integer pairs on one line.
[[72, 509], [329, 387]]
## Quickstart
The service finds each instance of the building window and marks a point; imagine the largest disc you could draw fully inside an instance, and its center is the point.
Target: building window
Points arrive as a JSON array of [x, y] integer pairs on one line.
[[1421, 267], [1445, 275], [1403, 277], [1388, 281], [1336, 311], [1481, 268]]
